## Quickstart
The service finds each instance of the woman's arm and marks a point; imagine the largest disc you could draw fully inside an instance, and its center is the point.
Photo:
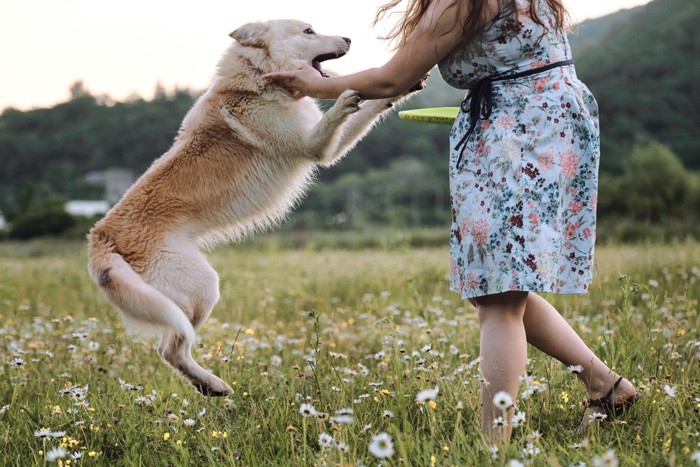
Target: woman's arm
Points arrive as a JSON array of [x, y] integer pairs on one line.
[[436, 35]]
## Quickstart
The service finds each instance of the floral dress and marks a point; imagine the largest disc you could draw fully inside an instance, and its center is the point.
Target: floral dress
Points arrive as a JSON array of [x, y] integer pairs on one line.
[[525, 189]]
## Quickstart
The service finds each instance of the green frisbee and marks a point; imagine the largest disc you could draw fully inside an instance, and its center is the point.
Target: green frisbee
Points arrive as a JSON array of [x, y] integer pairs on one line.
[[438, 115]]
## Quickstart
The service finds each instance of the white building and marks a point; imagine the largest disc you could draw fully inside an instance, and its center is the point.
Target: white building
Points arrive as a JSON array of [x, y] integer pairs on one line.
[[86, 208]]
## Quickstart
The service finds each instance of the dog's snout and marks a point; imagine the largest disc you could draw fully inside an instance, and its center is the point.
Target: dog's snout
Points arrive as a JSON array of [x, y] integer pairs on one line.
[[347, 40]]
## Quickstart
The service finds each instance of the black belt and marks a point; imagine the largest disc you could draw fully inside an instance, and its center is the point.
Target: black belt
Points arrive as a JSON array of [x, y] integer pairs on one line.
[[479, 100]]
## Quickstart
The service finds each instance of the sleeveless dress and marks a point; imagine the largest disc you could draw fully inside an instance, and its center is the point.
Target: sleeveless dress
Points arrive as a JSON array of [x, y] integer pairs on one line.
[[524, 193]]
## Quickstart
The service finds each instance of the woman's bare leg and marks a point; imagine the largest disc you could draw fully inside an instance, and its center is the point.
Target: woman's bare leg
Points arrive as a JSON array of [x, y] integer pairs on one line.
[[547, 330], [503, 352]]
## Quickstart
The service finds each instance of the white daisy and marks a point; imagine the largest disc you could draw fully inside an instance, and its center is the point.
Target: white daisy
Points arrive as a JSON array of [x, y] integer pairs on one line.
[[502, 400], [381, 446], [499, 422], [55, 453], [695, 457], [427, 395], [581, 444], [343, 417], [518, 418], [188, 422], [575, 369], [597, 416], [325, 440], [606, 460], [670, 390], [307, 410], [17, 362]]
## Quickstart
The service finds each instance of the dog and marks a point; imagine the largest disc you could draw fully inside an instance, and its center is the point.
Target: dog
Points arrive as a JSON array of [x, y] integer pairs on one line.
[[244, 155]]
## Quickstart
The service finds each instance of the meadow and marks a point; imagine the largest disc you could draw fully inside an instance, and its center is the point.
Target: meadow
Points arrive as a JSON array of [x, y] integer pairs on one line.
[[339, 354]]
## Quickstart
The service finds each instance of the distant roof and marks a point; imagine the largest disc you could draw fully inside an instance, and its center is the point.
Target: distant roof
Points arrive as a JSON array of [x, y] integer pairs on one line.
[[87, 208]]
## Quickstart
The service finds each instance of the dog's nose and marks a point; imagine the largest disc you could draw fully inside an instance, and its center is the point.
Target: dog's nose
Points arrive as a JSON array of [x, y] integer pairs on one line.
[[347, 40]]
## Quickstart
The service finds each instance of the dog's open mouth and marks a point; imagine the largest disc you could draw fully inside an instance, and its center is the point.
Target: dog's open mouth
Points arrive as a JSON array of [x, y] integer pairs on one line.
[[316, 62]]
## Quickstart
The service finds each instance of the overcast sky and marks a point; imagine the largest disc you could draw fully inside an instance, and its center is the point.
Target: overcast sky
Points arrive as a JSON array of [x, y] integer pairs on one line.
[[125, 48]]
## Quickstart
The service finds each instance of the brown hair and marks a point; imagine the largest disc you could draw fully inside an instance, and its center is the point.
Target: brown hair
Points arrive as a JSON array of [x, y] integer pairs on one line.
[[477, 19]]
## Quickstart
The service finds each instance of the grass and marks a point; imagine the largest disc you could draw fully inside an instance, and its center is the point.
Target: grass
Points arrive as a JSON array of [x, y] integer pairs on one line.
[[362, 329]]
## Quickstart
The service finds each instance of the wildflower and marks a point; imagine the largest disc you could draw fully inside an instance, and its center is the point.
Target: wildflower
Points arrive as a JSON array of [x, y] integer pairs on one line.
[[381, 446], [17, 362], [695, 457], [340, 446], [581, 444], [166, 436], [575, 369], [427, 395], [343, 417], [670, 391], [530, 451], [188, 422], [46, 433], [202, 412], [515, 463], [275, 360], [325, 440], [4, 408], [606, 460], [307, 410], [43, 433], [499, 422], [76, 455], [494, 451], [92, 453], [597, 416], [518, 418], [55, 453], [388, 414], [502, 400]]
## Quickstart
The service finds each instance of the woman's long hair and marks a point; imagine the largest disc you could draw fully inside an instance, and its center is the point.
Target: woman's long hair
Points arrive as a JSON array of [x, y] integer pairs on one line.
[[478, 17]]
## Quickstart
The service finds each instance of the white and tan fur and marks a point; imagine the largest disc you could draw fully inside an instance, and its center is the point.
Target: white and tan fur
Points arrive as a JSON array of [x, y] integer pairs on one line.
[[243, 156]]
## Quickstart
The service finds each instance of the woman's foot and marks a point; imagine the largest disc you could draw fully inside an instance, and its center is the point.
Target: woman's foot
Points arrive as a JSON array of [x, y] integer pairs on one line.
[[601, 409]]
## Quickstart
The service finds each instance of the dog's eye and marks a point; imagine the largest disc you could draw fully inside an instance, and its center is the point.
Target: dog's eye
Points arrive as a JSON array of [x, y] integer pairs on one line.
[[309, 31]]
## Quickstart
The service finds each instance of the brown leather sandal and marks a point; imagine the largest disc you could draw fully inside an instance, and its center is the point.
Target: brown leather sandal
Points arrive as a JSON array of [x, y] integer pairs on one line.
[[604, 409]]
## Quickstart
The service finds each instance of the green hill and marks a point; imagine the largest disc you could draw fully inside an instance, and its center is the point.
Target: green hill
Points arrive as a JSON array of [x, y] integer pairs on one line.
[[643, 68]]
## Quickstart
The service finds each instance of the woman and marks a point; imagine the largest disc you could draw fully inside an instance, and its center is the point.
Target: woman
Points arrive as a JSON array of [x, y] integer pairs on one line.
[[523, 177]]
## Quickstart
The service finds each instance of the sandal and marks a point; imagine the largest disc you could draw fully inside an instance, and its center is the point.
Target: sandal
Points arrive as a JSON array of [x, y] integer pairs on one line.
[[604, 409]]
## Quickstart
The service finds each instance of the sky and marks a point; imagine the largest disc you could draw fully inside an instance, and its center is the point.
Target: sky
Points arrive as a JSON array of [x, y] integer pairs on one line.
[[126, 48]]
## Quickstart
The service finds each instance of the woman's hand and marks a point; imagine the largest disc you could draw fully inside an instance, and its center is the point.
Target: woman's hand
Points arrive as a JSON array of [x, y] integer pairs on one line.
[[299, 83]]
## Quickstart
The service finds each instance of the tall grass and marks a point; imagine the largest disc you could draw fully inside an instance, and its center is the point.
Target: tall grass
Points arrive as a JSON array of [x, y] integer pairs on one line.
[[355, 333]]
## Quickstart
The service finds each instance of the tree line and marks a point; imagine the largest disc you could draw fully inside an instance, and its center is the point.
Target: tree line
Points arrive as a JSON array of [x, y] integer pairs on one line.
[[641, 65]]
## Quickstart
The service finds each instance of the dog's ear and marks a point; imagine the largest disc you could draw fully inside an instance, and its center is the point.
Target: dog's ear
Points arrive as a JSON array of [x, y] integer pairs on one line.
[[250, 35]]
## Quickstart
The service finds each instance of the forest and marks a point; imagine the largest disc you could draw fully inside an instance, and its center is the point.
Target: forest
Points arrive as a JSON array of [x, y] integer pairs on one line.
[[641, 64]]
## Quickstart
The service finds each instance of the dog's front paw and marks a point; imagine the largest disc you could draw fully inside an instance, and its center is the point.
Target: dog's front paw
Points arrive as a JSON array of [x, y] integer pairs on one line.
[[348, 102]]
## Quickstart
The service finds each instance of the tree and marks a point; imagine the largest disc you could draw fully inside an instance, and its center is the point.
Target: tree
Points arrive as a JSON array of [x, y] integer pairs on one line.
[[655, 185]]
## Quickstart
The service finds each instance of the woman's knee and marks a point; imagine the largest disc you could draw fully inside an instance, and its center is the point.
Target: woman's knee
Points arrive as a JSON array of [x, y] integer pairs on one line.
[[503, 306]]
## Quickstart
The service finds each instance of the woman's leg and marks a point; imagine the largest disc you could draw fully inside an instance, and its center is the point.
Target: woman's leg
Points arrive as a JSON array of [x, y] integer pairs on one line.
[[547, 330], [503, 352]]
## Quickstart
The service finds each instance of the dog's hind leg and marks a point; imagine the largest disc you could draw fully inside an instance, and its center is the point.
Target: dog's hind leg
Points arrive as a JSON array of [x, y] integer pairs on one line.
[[176, 351], [194, 286]]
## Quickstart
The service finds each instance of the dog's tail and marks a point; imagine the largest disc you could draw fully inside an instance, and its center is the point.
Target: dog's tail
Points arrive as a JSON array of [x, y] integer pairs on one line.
[[144, 309]]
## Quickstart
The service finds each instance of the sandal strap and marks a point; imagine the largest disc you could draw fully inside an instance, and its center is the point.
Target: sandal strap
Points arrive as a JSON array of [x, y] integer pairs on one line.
[[605, 402]]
